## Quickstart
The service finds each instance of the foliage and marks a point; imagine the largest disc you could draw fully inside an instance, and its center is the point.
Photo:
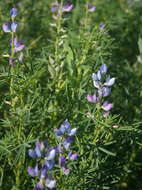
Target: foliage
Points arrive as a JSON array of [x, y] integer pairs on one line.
[[51, 84]]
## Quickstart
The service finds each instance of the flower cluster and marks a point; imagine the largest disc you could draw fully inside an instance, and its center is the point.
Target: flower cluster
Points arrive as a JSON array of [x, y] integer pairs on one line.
[[16, 45], [58, 8], [47, 157], [102, 82], [91, 8]]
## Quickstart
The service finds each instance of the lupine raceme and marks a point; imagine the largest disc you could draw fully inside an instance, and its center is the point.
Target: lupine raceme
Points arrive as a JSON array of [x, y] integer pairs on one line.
[[16, 45], [47, 157], [102, 83]]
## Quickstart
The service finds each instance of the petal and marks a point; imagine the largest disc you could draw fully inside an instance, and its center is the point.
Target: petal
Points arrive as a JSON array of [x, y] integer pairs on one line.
[[103, 69], [104, 91], [107, 106], [49, 164], [67, 142], [97, 84], [94, 77], [91, 8], [54, 8], [67, 8], [19, 47], [58, 148], [99, 75], [51, 155], [58, 132], [66, 171], [33, 171], [91, 98], [37, 149], [102, 26], [39, 186], [110, 82], [13, 12], [13, 26], [32, 153], [44, 172], [72, 131], [50, 183], [6, 27], [66, 125], [72, 156], [62, 161]]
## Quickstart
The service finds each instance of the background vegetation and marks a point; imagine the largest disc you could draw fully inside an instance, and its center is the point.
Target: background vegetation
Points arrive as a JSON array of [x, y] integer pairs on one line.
[[51, 85]]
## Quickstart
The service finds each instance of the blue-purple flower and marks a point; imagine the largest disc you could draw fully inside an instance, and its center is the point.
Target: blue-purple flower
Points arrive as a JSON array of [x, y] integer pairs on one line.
[[9, 27], [102, 82], [57, 7], [91, 8], [18, 45], [67, 7], [13, 12], [46, 157], [102, 26]]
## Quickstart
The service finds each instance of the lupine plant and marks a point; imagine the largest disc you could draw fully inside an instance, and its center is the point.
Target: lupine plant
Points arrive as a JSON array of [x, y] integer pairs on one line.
[[49, 157], [102, 82], [66, 42]]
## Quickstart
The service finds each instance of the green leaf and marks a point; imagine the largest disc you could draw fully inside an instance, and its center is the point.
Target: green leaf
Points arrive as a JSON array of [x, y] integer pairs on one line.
[[107, 151], [140, 45]]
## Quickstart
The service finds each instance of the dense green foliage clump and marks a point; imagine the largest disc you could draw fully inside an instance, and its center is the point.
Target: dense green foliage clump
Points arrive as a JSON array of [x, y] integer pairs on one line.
[[50, 85]]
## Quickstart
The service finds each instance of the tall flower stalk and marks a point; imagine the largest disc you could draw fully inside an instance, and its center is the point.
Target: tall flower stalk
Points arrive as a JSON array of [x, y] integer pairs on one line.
[[16, 46]]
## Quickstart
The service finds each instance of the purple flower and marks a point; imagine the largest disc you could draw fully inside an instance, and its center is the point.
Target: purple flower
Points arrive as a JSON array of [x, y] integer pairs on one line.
[[44, 172], [99, 75], [50, 183], [104, 91], [72, 156], [13, 12], [49, 164], [32, 153], [13, 26], [66, 171], [62, 161], [67, 8], [51, 154], [65, 127], [102, 26], [103, 69], [107, 106], [72, 131], [18, 45], [92, 98], [91, 8], [68, 141], [9, 27], [6, 27], [37, 152], [109, 82], [54, 8], [33, 171], [39, 186]]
